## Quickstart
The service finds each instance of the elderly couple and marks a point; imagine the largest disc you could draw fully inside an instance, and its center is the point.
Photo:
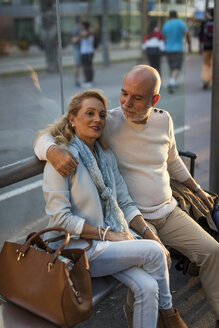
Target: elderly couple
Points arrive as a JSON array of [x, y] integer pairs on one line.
[[86, 194]]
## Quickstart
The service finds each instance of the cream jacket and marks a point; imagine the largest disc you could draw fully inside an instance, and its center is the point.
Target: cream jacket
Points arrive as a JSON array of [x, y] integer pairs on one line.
[[74, 200]]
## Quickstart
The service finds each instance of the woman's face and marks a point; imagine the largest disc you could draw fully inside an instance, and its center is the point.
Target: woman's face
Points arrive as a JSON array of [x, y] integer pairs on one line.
[[90, 121]]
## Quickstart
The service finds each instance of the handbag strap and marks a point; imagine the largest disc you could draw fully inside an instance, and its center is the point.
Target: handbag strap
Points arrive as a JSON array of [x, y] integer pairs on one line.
[[24, 248], [90, 244]]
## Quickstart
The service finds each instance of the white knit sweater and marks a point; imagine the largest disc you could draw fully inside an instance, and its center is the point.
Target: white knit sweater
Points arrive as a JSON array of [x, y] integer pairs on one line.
[[147, 157]]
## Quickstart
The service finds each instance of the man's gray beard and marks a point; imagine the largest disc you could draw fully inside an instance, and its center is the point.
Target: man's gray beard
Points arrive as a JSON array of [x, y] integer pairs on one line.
[[137, 119]]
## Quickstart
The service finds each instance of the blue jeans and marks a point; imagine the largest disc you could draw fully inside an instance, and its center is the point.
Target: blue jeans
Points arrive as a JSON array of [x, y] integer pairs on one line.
[[141, 266], [77, 56]]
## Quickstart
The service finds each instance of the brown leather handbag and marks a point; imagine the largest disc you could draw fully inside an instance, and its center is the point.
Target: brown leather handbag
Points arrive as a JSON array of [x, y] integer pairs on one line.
[[54, 284]]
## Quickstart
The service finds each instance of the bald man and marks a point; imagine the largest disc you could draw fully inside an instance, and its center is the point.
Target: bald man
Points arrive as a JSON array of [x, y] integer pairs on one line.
[[142, 138]]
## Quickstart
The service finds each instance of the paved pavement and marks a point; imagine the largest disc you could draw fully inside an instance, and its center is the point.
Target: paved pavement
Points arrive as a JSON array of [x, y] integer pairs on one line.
[[20, 62], [17, 63]]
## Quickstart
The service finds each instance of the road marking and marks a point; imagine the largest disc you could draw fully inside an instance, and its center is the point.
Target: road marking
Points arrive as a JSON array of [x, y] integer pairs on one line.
[[39, 183], [181, 129], [21, 190]]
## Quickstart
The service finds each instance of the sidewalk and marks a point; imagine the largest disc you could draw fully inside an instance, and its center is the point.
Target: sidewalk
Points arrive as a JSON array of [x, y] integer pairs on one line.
[[24, 62], [18, 62]]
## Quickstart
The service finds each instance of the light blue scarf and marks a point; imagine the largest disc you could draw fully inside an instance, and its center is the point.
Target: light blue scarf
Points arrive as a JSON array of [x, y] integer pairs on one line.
[[102, 176]]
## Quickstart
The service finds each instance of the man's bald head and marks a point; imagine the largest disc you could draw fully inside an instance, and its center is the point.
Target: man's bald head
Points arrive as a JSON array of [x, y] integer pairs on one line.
[[139, 93], [146, 75]]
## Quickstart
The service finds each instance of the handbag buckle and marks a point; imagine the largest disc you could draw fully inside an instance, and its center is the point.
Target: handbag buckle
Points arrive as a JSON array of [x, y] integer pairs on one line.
[[49, 266], [19, 254]]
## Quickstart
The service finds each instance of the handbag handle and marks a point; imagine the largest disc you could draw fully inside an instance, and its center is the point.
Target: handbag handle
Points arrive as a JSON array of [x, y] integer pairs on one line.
[[24, 248], [47, 241]]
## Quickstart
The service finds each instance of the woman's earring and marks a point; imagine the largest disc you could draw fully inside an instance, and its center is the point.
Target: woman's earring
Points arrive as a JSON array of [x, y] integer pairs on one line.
[[73, 125]]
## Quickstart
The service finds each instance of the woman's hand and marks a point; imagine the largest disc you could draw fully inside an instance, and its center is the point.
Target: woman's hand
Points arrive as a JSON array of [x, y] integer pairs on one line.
[[92, 232], [118, 236]]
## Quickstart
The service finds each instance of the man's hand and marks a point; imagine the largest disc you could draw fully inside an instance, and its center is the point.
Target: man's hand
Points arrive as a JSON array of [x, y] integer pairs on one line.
[[137, 224], [149, 234], [207, 199], [62, 160]]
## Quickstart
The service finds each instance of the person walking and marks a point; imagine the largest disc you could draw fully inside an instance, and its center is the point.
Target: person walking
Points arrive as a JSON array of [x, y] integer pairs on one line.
[[206, 48], [173, 32], [153, 44], [87, 53]]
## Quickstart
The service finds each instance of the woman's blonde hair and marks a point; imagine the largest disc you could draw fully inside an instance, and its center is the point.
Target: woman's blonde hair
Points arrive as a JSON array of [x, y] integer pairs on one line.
[[62, 130]]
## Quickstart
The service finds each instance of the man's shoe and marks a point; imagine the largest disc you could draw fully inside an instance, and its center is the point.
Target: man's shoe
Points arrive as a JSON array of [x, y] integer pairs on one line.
[[217, 324], [128, 314], [171, 320]]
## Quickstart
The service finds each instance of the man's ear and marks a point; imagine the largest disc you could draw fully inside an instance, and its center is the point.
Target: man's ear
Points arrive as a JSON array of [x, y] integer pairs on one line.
[[155, 100]]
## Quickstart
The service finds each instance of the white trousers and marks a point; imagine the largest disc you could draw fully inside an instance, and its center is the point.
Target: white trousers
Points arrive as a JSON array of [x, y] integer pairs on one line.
[[141, 266]]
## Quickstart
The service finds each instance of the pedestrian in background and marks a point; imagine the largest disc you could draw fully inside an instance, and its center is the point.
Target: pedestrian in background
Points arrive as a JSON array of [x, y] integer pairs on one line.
[[174, 31], [153, 44], [87, 53], [206, 47], [76, 49]]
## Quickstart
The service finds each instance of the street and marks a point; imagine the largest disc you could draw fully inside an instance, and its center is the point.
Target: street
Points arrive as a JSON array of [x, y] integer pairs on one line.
[[28, 103]]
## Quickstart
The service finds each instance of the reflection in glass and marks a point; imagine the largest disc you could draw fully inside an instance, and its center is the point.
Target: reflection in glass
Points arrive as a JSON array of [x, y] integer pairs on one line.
[[28, 44], [49, 33], [29, 99]]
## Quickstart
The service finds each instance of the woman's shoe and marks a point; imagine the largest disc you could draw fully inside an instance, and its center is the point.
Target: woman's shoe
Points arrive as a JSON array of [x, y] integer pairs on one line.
[[171, 320], [128, 314]]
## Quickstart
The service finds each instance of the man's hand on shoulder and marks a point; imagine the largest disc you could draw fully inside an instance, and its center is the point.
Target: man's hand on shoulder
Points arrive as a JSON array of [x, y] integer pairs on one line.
[[62, 160]]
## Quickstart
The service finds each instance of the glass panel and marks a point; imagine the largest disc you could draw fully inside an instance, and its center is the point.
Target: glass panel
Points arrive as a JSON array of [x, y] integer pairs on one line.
[[29, 98], [28, 43], [29, 74]]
